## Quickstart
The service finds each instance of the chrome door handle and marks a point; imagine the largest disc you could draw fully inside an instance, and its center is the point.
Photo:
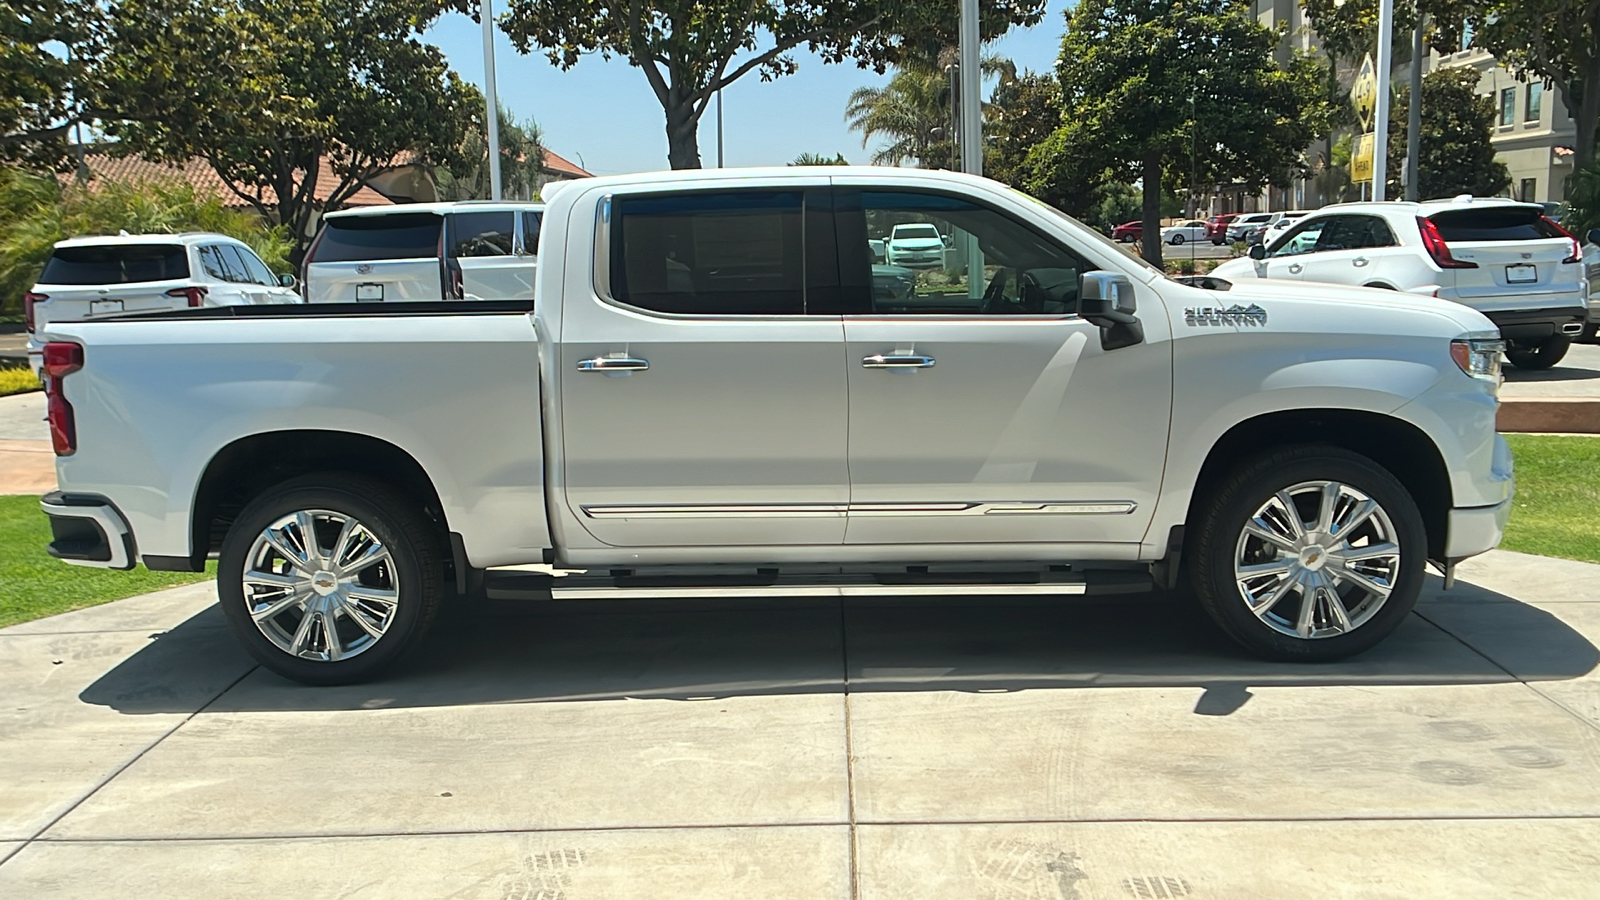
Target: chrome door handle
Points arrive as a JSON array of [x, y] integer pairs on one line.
[[1294, 268], [1360, 260], [895, 361], [613, 364]]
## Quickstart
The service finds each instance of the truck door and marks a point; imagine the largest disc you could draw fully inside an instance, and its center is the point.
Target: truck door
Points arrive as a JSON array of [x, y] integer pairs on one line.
[[982, 409], [702, 395]]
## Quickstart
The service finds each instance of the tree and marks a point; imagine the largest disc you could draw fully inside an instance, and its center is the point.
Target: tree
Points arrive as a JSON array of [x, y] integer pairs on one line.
[[1187, 91], [1022, 114], [689, 49], [521, 162], [1556, 41], [1456, 155], [38, 88], [914, 111], [820, 159], [266, 90]]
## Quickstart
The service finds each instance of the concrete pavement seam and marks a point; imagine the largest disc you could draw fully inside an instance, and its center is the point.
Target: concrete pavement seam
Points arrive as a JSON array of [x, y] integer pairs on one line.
[[849, 749], [441, 832], [1530, 686], [37, 835]]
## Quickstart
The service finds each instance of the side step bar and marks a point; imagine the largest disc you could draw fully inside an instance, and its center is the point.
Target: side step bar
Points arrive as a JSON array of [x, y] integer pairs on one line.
[[528, 586]]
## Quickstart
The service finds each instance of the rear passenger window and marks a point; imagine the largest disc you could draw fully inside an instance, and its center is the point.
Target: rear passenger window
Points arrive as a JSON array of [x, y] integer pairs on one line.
[[376, 237], [1505, 223], [238, 272], [734, 253], [481, 233], [530, 232], [211, 262]]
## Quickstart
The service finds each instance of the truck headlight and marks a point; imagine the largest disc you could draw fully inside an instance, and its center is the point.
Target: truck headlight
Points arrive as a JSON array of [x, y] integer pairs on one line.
[[1478, 355]]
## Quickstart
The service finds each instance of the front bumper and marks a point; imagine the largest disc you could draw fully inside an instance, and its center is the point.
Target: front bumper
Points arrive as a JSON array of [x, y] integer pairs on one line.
[[1477, 530], [87, 530]]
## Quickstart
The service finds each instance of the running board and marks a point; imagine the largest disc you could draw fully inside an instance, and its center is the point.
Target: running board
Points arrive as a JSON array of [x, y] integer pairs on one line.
[[526, 586]]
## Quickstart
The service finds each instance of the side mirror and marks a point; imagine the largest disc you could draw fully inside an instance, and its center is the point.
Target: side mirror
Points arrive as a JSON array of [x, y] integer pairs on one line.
[[288, 281], [1594, 235], [1258, 251], [1106, 299]]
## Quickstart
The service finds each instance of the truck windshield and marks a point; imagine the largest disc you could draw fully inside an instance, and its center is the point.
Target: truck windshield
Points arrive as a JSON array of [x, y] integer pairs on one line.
[[362, 238], [116, 264]]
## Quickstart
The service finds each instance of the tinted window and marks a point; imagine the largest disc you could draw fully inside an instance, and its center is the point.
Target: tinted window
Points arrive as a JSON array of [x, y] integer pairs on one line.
[[259, 273], [995, 264], [530, 232], [116, 264], [211, 262], [1303, 238], [238, 272], [481, 233], [724, 253], [1503, 223], [1355, 233], [359, 238]]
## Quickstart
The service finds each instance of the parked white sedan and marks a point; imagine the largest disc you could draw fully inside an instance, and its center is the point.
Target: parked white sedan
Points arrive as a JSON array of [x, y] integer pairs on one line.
[[916, 245], [1193, 230]]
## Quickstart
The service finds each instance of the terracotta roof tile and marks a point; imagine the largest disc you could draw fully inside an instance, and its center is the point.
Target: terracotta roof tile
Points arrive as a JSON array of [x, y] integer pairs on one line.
[[205, 179], [558, 166]]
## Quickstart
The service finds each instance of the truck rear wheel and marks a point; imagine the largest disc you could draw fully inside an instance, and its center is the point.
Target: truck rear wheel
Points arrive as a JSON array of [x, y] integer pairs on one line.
[[327, 579], [1308, 554], [1542, 355]]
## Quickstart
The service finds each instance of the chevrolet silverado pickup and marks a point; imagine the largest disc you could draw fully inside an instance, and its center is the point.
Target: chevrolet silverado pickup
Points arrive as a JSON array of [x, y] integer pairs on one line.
[[711, 389]]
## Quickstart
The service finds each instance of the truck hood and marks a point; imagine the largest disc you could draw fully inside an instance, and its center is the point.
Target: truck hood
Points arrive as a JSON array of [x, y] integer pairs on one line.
[[1249, 290]]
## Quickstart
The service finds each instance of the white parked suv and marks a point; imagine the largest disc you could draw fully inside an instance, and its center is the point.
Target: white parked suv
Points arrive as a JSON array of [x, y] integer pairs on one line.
[[87, 277], [1246, 227], [1503, 258], [1591, 258], [466, 250], [916, 246]]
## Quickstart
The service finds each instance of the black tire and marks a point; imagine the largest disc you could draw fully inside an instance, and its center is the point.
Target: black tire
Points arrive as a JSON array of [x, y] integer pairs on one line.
[[1223, 512], [1539, 356], [1216, 243], [1589, 333], [414, 549]]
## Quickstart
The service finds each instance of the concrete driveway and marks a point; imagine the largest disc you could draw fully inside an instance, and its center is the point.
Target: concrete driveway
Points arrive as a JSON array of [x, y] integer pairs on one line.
[[910, 749]]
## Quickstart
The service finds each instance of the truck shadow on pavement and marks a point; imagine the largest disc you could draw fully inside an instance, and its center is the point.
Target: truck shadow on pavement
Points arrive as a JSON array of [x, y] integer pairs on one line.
[[612, 650], [1515, 375]]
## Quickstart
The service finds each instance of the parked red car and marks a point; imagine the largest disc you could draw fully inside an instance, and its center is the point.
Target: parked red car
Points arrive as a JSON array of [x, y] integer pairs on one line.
[[1217, 228], [1128, 232]]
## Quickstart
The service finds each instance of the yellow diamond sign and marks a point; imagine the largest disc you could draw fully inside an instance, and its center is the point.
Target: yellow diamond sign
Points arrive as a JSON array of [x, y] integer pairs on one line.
[[1364, 93]]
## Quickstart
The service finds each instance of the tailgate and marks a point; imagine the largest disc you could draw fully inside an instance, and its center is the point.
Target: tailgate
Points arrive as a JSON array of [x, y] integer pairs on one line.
[[375, 281], [1517, 273]]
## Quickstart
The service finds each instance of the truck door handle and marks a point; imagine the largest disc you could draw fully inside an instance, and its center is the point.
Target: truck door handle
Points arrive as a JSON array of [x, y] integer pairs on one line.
[[1360, 260], [1294, 268], [613, 364], [896, 361]]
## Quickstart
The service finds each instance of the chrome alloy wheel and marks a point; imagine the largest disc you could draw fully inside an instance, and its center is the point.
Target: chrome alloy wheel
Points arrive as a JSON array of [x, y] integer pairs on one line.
[[1317, 560], [320, 585]]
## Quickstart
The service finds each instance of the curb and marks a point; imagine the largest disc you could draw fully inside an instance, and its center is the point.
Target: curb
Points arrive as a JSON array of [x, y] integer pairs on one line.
[[1549, 414]]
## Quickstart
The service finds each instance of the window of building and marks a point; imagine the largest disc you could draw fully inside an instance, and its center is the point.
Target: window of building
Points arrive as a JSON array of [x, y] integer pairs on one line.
[[1466, 36], [1508, 106], [1532, 106], [731, 253], [1530, 190]]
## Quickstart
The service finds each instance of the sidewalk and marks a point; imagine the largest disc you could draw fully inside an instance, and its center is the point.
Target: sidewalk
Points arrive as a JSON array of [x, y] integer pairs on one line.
[[27, 464], [923, 748]]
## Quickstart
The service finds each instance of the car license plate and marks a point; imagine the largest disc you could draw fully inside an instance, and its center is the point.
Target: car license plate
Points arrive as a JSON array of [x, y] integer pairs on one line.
[[1522, 273], [368, 293], [101, 307]]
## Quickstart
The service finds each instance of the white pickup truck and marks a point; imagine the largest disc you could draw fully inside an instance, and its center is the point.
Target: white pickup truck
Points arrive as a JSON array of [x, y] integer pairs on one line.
[[712, 390]]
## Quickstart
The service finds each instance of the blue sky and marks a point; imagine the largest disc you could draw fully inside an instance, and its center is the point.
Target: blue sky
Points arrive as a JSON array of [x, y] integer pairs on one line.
[[603, 115]]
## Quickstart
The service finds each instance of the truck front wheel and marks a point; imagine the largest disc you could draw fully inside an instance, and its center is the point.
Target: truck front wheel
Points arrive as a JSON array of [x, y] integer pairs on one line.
[[326, 579], [1308, 554]]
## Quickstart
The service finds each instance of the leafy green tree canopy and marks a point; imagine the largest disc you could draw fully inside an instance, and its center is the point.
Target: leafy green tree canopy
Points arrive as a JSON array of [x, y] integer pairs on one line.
[[1022, 114], [1186, 90], [688, 49], [521, 162], [1456, 154], [265, 90], [820, 159], [38, 102]]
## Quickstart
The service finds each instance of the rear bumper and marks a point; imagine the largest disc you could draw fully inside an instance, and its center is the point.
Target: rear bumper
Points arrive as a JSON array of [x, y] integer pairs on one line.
[[87, 530], [1538, 324]]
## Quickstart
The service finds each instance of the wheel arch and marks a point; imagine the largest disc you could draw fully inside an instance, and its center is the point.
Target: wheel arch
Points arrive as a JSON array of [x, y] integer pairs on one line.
[[1400, 447], [243, 469]]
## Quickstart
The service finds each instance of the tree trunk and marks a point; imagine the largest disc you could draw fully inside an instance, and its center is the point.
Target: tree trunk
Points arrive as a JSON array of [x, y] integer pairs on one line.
[[1587, 118], [1152, 206], [683, 132]]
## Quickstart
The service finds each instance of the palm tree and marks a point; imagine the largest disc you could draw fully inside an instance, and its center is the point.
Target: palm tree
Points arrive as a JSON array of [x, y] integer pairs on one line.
[[913, 112], [818, 159]]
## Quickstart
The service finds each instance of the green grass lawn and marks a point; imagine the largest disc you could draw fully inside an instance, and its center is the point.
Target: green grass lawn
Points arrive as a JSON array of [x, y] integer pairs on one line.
[[33, 584], [1557, 510]]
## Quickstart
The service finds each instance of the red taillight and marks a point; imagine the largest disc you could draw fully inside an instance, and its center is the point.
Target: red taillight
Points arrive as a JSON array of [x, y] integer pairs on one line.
[[28, 300], [61, 358], [195, 295], [1576, 255], [1433, 242]]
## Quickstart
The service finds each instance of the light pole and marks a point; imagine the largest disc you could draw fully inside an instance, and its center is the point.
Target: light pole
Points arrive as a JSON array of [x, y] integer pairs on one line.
[[1380, 114], [971, 85], [486, 14], [719, 128]]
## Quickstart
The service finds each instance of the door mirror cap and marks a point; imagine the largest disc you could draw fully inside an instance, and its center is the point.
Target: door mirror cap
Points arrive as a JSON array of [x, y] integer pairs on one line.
[[288, 281], [1258, 251], [1101, 294]]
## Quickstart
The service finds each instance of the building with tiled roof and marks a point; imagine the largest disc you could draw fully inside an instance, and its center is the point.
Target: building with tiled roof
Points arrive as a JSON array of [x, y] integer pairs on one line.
[[204, 178]]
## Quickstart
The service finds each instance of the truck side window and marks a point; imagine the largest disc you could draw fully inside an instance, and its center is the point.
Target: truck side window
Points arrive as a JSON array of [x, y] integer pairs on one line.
[[949, 255], [732, 253], [481, 233]]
